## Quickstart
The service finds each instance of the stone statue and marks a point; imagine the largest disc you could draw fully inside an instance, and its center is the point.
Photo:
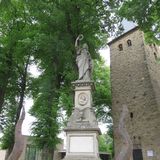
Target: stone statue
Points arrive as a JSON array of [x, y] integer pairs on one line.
[[127, 147], [83, 60]]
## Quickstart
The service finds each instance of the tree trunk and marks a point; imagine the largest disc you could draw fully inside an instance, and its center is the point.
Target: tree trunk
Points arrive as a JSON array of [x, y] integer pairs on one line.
[[20, 106], [23, 88], [126, 149], [47, 154], [19, 139]]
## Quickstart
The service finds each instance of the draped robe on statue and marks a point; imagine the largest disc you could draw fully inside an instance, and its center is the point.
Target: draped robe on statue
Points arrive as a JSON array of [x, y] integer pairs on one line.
[[83, 61]]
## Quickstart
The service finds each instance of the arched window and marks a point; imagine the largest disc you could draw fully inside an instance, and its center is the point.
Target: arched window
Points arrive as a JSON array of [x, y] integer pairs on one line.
[[129, 42], [131, 115], [120, 46]]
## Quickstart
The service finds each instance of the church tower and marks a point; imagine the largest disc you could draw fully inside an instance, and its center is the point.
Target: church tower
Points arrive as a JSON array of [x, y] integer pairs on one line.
[[135, 81]]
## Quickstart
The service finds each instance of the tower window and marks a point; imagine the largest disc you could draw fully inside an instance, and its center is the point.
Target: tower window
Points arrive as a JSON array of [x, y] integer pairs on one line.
[[131, 115], [120, 47], [129, 42]]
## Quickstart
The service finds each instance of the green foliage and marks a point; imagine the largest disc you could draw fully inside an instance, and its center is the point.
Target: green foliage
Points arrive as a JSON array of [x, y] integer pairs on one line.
[[43, 33], [146, 14], [8, 133], [15, 58], [102, 103], [102, 95], [45, 109], [57, 25], [105, 143]]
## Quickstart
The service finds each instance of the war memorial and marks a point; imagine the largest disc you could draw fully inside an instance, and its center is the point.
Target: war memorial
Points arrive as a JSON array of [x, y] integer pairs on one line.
[[82, 129]]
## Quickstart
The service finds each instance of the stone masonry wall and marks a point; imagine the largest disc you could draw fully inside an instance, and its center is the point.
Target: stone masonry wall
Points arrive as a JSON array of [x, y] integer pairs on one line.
[[132, 85], [153, 63]]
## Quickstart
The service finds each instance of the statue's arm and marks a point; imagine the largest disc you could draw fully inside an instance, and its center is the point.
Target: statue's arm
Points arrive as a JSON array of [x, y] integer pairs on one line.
[[76, 42], [78, 39]]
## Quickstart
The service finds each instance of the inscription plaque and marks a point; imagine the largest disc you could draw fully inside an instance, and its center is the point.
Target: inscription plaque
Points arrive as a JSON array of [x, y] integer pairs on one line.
[[83, 144]]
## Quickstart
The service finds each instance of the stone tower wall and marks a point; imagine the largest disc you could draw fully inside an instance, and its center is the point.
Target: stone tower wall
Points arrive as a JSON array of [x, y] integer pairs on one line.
[[133, 74], [153, 63]]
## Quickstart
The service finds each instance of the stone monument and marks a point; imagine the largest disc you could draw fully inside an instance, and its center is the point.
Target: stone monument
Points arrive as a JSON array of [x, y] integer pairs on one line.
[[82, 128]]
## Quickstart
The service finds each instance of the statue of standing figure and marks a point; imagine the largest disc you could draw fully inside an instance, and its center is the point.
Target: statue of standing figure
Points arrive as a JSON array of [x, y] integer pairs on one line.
[[83, 60]]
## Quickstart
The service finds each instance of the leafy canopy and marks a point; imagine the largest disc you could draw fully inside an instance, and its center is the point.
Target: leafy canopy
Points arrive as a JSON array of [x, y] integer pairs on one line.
[[145, 13], [45, 32]]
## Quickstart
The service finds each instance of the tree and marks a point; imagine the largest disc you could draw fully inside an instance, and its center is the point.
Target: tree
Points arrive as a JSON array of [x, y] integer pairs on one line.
[[146, 14], [44, 32], [59, 23], [15, 59], [102, 103], [19, 139], [105, 143], [102, 95], [127, 147]]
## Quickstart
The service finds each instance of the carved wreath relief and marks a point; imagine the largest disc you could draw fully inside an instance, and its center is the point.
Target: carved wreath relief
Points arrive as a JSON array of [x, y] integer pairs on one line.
[[82, 99]]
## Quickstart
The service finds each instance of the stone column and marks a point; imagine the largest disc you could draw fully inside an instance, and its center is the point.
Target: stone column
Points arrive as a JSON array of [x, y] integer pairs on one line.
[[82, 129]]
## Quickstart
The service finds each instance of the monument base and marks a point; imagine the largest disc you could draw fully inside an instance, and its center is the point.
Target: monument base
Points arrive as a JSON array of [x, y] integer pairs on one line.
[[82, 144], [81, 158], [82, 128]]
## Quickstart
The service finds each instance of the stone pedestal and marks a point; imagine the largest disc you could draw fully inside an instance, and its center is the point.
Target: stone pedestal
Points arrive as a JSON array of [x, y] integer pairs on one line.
[[82, 129]]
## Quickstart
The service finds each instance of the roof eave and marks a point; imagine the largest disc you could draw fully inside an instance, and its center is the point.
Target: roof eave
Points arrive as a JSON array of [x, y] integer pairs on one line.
[[117, 38]]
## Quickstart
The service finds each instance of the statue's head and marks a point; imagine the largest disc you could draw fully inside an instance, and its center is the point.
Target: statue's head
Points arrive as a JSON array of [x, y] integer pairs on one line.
[[85, 46]]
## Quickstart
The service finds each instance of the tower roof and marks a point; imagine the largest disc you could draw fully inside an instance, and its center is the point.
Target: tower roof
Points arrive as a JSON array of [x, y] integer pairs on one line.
[[124, 34]]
